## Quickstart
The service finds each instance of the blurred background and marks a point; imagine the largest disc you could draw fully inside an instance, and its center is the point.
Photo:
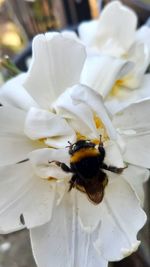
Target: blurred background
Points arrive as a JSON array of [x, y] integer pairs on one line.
[[20, 21]]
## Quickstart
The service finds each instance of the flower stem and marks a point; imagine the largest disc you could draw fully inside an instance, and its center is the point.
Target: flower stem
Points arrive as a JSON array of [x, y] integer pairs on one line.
[[8, 65]]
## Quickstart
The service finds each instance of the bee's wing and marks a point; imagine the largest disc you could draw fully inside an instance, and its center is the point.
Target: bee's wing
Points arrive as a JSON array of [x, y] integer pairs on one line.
[[95, 187]]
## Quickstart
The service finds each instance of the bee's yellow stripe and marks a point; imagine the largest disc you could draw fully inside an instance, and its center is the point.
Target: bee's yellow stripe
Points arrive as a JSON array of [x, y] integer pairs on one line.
[[84, 153]]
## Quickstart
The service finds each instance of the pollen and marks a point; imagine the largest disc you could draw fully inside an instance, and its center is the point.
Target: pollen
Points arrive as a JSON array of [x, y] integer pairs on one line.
[[102, 130], [80, 136], [42, 140], [116, 87], [98, 122]]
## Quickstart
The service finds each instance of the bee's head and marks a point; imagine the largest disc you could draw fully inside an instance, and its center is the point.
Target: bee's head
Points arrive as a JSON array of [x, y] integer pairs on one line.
[[80, 145]]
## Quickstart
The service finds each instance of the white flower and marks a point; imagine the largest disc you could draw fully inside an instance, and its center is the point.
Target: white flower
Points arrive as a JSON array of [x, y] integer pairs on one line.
[[114, 34], [66, 228], [74, 225], [93, 227]]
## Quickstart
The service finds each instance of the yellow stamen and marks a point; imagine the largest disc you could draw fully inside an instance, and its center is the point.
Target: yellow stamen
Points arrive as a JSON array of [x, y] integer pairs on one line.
[[98, 122], [80, 136], [116, 87], [96, 141], [42, 139], [100, 126]]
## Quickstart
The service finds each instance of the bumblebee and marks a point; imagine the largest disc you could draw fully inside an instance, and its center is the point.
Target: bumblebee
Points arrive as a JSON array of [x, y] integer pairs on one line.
[[87, 165]]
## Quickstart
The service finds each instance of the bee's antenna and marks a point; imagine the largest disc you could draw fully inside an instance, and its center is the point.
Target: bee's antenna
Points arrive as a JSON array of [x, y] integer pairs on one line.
[[70, 144]]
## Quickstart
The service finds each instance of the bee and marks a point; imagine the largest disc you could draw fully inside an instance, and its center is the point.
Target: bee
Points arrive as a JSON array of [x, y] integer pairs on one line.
[[87, 167]]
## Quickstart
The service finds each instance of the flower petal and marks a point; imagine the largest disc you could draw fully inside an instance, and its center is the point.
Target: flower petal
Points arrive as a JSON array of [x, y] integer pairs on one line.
[[143, 36], [12, 120], [62, 242], [112, 35], [97, 68], [43, 124], [121, 218], [42, 161], [137, 150], [134, 117], [27, 195], [113, 154], [136, 177], [88, 214], [133, 125], [12, 93], [83, 94], [70, 34], [87, 31], [57, 64], [139, 55], [76, 115], [128, 97], [108, 33], [14, 145]]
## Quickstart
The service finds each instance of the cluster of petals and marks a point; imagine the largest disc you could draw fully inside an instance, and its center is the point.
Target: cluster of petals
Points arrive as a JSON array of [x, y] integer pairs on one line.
[[114, 36], [41, 111]]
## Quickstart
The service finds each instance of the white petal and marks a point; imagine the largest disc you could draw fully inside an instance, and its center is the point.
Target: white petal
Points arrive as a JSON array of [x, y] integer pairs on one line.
[[43, 124], [76, 115], [41, 159], [15, 148], [12, 120], [113, 154], [136, 177], [128, 97], [88, 214], [57, 64], [143, 91], [71, 35], [121, 218], [137, 150], [62, 242], [101, 72], [141, 59], [133, 124], [87, 31], [83, 94], [134, 117], [14, 145], [112, 35], [23, 193], [143, 36], [12, 93]]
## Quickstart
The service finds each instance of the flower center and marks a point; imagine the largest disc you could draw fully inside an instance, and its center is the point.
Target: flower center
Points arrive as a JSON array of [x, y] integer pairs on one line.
[[101, 130]]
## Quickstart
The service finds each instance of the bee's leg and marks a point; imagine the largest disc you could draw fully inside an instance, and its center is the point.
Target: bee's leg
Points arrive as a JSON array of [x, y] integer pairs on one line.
[[101, 151], [72, 182], [113, 168], [62, 165]]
